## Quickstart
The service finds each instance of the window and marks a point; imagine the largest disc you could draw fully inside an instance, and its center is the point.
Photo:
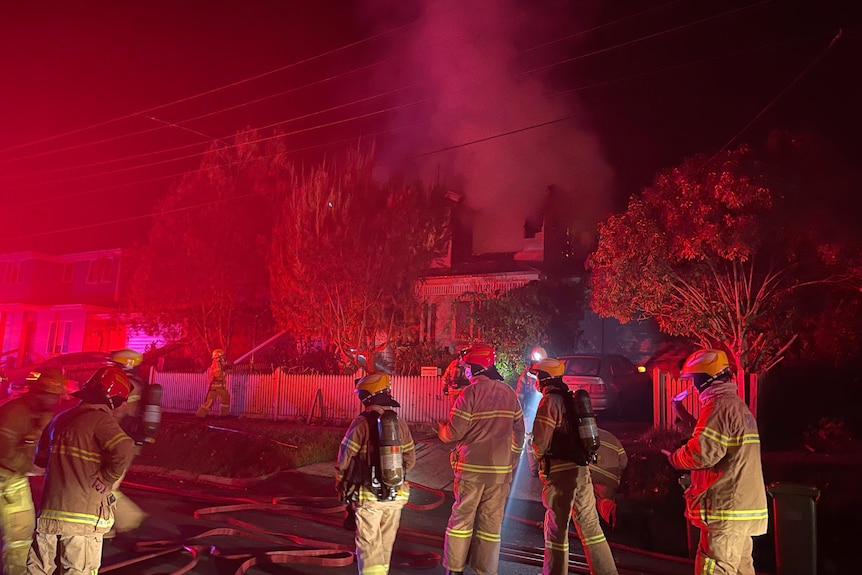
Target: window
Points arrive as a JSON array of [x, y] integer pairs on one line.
[[10, 272], [58, 336], [102, 270]]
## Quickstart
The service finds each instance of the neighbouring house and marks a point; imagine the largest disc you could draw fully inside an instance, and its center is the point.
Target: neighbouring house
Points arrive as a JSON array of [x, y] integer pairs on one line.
[[57, 304]]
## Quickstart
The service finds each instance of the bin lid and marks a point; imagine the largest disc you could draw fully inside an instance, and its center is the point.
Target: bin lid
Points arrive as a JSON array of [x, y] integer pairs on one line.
[[798, 489]]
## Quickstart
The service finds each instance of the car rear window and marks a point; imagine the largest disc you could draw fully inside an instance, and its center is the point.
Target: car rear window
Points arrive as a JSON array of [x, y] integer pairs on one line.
[[588, 366]]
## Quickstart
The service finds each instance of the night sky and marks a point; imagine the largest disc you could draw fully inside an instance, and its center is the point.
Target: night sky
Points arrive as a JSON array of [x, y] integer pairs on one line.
[[105, 104]]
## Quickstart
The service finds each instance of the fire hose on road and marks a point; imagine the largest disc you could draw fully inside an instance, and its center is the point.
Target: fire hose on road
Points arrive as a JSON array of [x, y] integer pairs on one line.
[[288, 548]]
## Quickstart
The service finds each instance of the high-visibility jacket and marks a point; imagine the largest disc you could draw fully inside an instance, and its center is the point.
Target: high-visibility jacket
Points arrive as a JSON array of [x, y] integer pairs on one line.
[[611, 461], [79, 445], [357, 445], [487, 426], [550, 416], [21, 424], [216, 374], [727, 489]]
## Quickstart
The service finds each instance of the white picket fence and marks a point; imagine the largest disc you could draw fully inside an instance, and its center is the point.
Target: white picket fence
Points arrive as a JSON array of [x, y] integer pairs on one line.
[[665, 388], [318, 398]]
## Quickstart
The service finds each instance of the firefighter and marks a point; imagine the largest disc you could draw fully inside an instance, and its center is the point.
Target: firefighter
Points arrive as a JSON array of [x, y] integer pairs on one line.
[[21, 423], [374, 457], [85, 452], [727, 498], [486, 425], [454, 380], [606, 475], [128, 516], [217, 375], [567, 489]]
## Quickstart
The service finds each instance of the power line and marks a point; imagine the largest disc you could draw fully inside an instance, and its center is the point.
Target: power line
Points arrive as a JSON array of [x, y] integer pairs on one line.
[[276, 124], [424, 154]]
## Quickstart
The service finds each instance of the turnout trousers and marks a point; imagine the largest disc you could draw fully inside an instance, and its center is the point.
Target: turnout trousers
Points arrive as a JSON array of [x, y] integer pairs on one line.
[[724, 552], [477, 518], [376, 525], [215, 393], [17, 521], [78, 554], [569, 492]]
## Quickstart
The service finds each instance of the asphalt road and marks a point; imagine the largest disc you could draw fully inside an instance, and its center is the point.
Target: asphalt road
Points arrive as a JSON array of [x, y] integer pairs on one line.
[[216, 529]]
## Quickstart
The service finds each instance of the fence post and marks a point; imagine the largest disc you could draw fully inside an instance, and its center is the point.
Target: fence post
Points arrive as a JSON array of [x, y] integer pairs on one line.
[[318, 399], [276, 374], [659, 392]]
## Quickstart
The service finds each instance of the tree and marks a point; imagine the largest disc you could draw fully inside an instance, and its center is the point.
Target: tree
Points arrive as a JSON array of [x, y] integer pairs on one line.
[[347, 253], [538, 313], [712, 253], [202, 273]]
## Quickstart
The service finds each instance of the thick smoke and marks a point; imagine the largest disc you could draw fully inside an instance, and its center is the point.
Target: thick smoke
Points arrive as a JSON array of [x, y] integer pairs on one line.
[[473, 61]]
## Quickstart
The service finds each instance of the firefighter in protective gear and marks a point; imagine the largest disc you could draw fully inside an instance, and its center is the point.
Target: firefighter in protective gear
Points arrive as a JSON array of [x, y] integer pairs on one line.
[[727, 497], [77, 504], [21, 422], [567, 489], [454, 380], [486, 425], [128, 516], [217, 375], [358, 479], [606, 474]]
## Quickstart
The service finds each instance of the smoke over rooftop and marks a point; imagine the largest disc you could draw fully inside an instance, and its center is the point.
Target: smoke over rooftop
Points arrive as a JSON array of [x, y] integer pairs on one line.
[[500, 124]]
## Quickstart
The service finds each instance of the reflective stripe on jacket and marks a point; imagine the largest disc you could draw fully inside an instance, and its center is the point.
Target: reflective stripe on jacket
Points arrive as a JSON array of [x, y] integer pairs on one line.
[[79, 445], [612, 460], [487, 426], [727, 489], [550, 416], [356, 445]]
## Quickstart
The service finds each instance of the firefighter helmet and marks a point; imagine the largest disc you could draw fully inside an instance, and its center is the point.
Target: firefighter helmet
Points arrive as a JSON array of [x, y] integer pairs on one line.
[[538, 353], [371, 385], [109, 385], [705, 367], [547, 369], [218, 353], [479, 357], [128, 358], [49, 380]]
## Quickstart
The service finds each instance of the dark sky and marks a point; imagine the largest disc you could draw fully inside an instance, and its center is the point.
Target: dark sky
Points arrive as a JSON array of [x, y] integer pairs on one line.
[[500, 97]]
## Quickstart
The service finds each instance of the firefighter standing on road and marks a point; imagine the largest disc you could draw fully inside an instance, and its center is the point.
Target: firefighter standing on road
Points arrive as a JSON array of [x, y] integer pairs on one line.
[[85, 452], [727, 497], [21, 423], [217, 376], [376, 453], [566, 485], [487, 426]]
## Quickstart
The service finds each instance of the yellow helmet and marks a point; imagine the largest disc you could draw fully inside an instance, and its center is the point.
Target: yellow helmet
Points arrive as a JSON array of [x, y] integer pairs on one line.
[[218, 353], [49, 380], [371, 385], [704, 367], [548, 368], [128, 358]]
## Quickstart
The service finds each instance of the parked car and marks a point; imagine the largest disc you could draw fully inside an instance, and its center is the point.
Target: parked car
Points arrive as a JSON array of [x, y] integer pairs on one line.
[[615, 384]]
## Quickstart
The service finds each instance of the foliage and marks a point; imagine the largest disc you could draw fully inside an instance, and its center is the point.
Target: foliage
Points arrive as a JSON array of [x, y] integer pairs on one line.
[[411, 357], [254, 448], [711, 253], [649, 474], [540, 313], [347, 252], [202, 272], [829, 435]]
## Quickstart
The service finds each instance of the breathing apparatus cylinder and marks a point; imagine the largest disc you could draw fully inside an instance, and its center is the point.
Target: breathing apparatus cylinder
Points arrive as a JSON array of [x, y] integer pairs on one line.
[[151, 412], [391, 458], [588, 431]]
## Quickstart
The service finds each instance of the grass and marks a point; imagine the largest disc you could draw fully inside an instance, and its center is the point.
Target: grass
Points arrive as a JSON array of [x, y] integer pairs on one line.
[[238, 447]]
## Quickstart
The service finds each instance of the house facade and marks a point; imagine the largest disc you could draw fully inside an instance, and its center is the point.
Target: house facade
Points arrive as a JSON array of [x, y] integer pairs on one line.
[[56, 304]]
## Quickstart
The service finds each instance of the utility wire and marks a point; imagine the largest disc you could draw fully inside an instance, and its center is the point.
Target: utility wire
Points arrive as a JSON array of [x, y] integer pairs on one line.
[[780, 94], [276, 124], [352, 139]]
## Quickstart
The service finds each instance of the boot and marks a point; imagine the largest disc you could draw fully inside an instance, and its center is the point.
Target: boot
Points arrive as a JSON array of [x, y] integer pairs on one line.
[[450, 572]]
